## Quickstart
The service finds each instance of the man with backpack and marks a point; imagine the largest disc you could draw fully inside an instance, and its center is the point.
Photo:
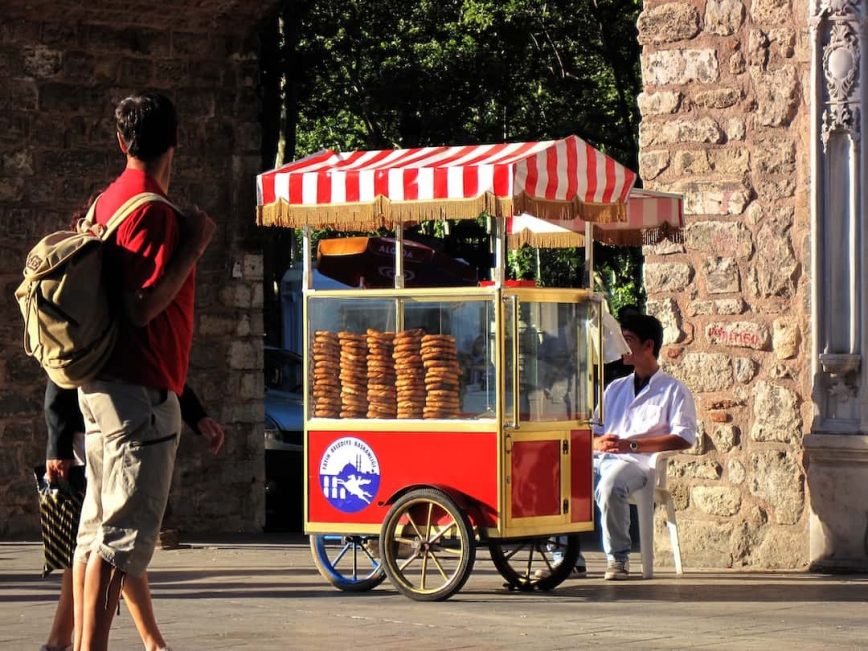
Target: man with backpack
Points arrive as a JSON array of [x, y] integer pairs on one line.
[[131, 412]]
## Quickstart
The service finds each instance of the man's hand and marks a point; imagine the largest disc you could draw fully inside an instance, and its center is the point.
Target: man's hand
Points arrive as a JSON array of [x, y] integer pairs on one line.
[[57, 468], [607, 443], [213, 433]]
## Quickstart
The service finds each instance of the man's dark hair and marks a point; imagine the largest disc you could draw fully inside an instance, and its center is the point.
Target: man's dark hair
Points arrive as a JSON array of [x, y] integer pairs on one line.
[[645, 328], [148, 124]]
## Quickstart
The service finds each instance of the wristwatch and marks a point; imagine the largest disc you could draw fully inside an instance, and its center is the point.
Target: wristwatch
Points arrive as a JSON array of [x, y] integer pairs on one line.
[[634, 446]]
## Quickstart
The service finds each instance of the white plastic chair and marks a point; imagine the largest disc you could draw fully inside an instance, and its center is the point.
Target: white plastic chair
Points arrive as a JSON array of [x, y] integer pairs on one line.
[[655, 491]]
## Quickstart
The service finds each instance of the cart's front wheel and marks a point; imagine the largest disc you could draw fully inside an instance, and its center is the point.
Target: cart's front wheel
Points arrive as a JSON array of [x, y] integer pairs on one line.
[[428, 545], [541, 563], [349, 563]]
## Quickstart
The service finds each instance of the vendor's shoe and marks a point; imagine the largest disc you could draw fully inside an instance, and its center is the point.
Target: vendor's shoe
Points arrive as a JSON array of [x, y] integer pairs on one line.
[[617, 571]]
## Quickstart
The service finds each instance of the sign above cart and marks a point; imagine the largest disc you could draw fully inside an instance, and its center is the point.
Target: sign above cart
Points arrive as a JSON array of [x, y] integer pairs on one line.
[[556, 180]]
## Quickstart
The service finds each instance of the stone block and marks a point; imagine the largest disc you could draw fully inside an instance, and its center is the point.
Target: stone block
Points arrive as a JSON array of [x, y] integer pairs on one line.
[[664, 67], [772, 190], [785, 338], [777, 478], [775, 267], [665, 247], [651, 164], [725, 437], [714, 197], [662, 102], [667, 277], [705, 372], [19, 95], [245, 355], [700, 308], [734, 128], [699, 469], [42, 62], [252, 265], [252, 386], [777, 95], [775, 156], [718, 98], [738, 334], [784, 548], [665, 23], [723, 17], [705, 543], [717, 237], [667, 312], [735, 472], [776, 414], [716, 500], [770, 12], [731, 161], [737, 64], [729, 306], [721, 275], [691, 162], [702, 130], [216, 325]]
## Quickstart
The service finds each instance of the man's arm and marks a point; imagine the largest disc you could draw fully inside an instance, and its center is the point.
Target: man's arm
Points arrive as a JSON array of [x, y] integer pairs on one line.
[[614, 444], [63, 419], [143, 305]]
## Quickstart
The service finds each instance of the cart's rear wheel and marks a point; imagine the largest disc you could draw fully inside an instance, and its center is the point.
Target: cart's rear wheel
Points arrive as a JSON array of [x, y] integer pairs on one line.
[[349, 563], [541, 563], [428, 545]]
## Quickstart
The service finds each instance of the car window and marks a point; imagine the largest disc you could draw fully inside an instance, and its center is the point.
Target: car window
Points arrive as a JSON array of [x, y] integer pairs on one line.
[[282, 371]]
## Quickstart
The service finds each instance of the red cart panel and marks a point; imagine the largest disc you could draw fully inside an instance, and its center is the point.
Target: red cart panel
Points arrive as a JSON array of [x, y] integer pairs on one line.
[[536, 478], [581, 476], [351, 474]]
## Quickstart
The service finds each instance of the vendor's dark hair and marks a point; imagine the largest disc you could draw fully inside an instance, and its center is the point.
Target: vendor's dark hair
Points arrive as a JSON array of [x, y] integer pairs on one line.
[[148, 124], [645, 328]]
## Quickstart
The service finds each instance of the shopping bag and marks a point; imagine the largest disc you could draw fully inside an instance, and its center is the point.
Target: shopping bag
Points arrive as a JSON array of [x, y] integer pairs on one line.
[[59, 512]]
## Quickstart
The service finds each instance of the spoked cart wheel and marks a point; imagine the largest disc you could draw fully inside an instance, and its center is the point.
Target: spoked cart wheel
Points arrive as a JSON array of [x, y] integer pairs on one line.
[[428, 545], [535, 563], [349, 563]]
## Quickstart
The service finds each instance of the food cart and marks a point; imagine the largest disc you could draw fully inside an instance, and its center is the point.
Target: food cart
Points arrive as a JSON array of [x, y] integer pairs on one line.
[[443, 418]]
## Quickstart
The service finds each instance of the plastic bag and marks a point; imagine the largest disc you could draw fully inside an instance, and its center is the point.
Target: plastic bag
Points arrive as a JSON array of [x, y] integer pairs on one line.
[[59, 513]]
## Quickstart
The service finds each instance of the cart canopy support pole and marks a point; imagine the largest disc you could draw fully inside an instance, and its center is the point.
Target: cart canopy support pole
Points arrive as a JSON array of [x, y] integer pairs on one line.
[[589, 254], [499, 226], [307, 265], [399, 255]]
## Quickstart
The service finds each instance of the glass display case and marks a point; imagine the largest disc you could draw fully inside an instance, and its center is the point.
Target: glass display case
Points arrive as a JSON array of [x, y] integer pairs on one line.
[[409, 355]]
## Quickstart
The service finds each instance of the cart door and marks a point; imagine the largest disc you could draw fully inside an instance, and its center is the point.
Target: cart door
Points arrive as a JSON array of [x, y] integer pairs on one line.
[[547, 465]]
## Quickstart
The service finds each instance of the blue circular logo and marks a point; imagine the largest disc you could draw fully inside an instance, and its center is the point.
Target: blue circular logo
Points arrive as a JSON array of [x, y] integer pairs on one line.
[[349, 474]]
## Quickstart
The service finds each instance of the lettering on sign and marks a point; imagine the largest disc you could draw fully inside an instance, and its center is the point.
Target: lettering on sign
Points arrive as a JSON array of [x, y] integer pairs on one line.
[[742, 335]]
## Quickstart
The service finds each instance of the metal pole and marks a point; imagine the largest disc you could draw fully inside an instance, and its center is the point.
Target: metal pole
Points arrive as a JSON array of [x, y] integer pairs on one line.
[[589, 253], [399, 255], [499, 227], [307, 264]]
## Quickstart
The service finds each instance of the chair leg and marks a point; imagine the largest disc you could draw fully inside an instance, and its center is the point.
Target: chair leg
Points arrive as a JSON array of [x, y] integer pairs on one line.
[[645, 511], [673, 534]]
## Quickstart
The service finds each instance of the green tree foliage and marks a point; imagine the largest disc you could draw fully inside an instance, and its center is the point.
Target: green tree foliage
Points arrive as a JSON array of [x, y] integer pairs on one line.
[[368, 74]]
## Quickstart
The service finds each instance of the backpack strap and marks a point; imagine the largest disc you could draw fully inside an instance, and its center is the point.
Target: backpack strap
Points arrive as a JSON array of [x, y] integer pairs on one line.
[[129, 207]]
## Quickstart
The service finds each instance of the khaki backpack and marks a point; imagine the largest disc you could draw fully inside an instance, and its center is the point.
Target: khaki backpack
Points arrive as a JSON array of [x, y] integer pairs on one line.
[[70, 325]]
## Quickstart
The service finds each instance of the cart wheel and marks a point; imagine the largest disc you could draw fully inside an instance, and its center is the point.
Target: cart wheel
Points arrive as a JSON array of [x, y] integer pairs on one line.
[[428, 546], [349, 563], [531, 562]]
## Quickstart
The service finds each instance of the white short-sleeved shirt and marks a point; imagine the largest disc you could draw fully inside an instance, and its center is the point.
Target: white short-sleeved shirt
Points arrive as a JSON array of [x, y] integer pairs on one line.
[[663, 406]]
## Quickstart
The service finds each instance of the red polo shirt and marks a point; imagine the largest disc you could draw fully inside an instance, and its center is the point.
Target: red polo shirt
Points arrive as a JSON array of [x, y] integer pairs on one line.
[[156, 355]]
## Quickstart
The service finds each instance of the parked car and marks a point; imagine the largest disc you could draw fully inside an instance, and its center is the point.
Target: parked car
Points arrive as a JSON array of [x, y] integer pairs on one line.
[[284, 440]]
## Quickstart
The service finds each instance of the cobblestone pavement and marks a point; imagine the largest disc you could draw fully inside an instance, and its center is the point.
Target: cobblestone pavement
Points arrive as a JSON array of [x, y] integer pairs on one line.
[[263, 592]]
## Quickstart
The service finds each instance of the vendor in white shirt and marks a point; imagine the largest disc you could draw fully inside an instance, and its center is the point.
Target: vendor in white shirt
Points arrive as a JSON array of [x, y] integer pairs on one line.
[[648, 411]]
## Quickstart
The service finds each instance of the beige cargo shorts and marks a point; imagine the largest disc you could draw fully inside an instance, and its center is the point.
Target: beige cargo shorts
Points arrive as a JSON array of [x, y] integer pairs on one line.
[[131, 438]]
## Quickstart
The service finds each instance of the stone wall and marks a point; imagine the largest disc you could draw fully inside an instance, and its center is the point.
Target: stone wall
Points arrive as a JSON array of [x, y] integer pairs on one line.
[[724, 122], [63, 67]]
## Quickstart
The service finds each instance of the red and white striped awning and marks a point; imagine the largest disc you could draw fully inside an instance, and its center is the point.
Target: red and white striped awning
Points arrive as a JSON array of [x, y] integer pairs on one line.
[[651, 217], [559, 180]]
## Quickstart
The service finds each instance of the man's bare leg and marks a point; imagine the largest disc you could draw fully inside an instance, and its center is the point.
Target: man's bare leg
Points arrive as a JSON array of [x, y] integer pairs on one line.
[[78, 570], [60, 635], [102, 589], [137, 596]]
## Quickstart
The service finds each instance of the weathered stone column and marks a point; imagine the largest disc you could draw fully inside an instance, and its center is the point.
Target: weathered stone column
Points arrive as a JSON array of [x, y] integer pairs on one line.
[[837, 450]]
